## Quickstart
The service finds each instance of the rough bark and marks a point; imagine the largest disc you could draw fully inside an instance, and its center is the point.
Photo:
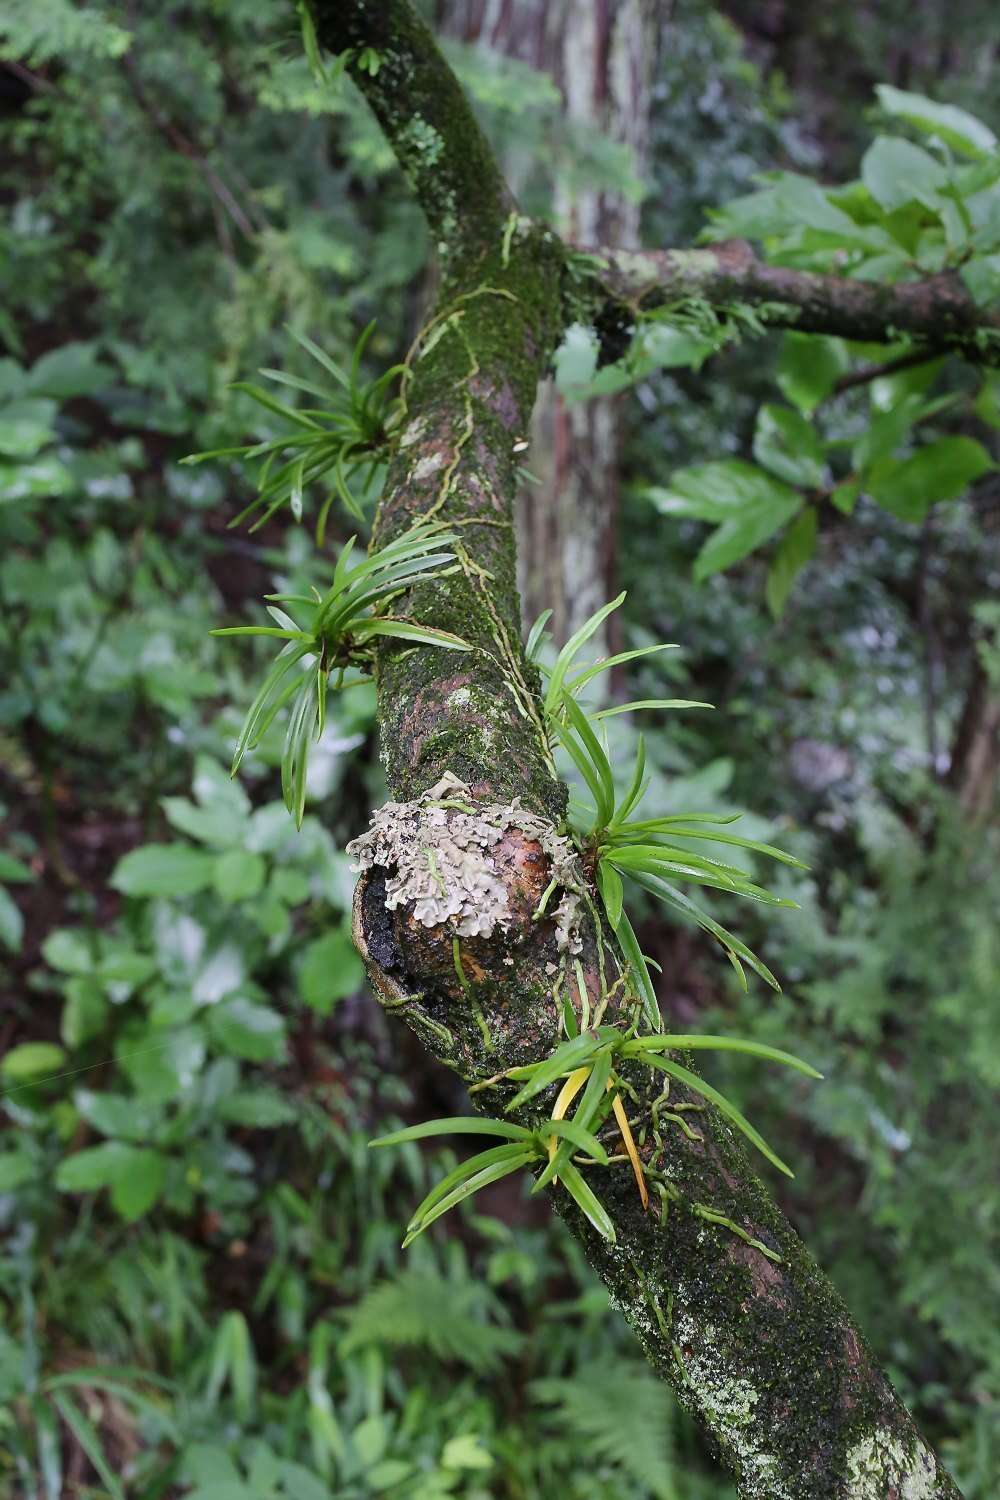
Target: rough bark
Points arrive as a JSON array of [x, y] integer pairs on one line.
[[936, 311], [974, 770], [728, 1305]]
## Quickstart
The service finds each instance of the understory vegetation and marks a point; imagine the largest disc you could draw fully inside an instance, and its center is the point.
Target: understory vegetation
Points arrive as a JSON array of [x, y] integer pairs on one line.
[[203, 1290]]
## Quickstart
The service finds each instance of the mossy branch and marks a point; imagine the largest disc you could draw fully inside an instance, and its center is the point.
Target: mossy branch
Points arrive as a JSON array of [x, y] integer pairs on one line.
[[727, 1303], [422, 109], [937, 311]]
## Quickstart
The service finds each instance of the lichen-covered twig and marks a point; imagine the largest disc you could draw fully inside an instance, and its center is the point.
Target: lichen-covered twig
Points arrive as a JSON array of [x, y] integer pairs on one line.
[[936, 311]]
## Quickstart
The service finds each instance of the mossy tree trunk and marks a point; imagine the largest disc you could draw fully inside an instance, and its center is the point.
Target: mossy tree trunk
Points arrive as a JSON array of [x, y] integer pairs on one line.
[[728, 1305]]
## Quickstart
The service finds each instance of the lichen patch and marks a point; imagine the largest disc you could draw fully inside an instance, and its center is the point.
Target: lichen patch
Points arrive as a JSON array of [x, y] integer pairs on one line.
[[880, 1464], [439, 855]]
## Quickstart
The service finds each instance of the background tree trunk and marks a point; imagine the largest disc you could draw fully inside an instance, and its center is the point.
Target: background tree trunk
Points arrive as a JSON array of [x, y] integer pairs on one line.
[[600, 53], [975, 758]]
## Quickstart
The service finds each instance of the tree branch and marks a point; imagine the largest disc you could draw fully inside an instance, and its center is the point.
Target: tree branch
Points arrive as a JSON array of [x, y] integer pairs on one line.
[[937, 311], [425, 116], [728, 1305]]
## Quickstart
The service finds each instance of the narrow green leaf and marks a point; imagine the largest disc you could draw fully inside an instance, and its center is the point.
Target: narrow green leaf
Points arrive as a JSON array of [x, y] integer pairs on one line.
[[405, 630], [639, 970], [454, 1125], [472, 1185], [683, 1042], [465, 1169], [87, 1437], [565, 1059], [565, 658], [640, 703], [609, 883], [587, 1201], [699, 1086]]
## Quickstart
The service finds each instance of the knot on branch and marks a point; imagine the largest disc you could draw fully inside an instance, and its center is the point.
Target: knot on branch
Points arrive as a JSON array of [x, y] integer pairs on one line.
[[468, 915], [472, 868]]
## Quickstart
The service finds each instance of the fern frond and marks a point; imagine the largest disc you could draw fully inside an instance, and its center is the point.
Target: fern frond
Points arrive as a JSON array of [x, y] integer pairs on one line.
[[625, 1417], [421, 1310]]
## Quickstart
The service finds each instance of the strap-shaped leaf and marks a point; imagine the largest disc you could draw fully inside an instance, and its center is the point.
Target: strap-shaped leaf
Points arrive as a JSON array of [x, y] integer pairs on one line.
[[637, 785], [639, 970], [535, 634], [461, 1173], [593, 1096], [564, 660], [454, 1125], [609, 883], [681, 1042], [606, 663], [588, 1201], [565, 1059], [578, 721], [641, 703], [725, 1107], [406, 630], [674, 898], [582, 1139], [493, 1173], [674, 828]]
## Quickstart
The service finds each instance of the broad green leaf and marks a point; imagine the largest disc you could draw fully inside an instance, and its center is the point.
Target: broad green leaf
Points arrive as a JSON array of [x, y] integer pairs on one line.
[[135, 1175], [13, 871], [981, 275], [85, 1013], [238, 875], [466, 1451], [575, 360], [32, 1061], [11, 922], [70, 950], [809, 368], [737, 538], [246, 1029], [71, 370], [987, 402], [25, 427], [956, 127], [330, 970], [713, 492], [163, 870], [940, 470], [896, 172], [796, 549], [16, 1168], [792, 204], [845, 496], [786, 443], [257, 1108], [117, 1115]]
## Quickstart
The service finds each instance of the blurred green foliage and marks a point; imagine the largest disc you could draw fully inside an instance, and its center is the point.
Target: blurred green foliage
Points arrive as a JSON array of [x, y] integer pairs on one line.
[[201, 1286]]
